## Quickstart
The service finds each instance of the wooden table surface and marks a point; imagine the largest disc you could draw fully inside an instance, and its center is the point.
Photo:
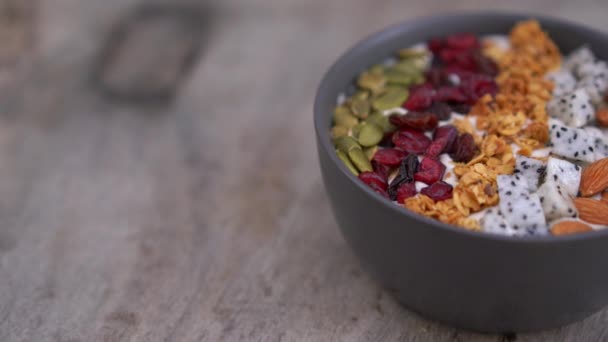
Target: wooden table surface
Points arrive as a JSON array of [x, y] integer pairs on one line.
[[159, 179]]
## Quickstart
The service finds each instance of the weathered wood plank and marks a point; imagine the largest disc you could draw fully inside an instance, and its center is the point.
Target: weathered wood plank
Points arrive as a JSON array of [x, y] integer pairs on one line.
[[206, 221]]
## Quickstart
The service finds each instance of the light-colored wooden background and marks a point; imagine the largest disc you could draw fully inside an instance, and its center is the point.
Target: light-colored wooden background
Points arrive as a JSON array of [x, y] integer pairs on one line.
[[202, 218]]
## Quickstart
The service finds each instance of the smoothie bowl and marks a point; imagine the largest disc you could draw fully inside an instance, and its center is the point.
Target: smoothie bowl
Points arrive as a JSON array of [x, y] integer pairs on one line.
[[465, 159]]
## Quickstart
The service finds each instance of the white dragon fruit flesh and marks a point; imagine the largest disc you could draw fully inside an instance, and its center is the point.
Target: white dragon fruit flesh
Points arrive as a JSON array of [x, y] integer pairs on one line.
[[555, 201], [573, 143], [529, 168], [522, 210], [601, 139], [573, 108], [494, 222], [565, 173], [596, 87], [578, 57], [563, 81]]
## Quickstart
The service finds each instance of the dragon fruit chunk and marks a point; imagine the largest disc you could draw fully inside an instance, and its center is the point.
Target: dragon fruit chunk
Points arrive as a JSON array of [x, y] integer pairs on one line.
[[530, 169], [580, 56], [556, 203], [565, 173], [563, 81], [573, 143], [596, 88], [494, 222], [573, 108], [522, 210], [596, 69]]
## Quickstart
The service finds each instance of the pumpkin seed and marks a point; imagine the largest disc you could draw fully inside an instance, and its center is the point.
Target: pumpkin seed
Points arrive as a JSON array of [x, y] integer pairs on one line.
[[381, 121], [338, 131], [347, 144], [377, 69], [370, 151], [360, 160], [360, 108], [419, 79], [344, 158], [390, 99], [412, 53], [372, 81], [399, 77], [409, 67], [361, 95], [343, 117], [370, 135], [356, 130]]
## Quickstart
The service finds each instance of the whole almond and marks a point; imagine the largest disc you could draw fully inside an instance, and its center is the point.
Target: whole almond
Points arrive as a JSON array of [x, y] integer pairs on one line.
[[594, 178], [605, 196], [591, 210], [601, 116], [570, 227]]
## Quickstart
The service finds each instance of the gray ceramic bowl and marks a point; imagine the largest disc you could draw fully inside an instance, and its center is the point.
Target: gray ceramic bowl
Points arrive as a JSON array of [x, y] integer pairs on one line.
[[471, 280]]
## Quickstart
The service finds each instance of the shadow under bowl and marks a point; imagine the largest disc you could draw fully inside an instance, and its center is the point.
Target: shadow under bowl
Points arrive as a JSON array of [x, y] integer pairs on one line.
[[466, 279]]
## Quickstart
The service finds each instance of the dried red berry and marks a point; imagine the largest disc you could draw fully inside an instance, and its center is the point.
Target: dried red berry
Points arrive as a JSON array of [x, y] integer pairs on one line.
[[437, 77], [450, 94], [381, 169], [461, 108], [421, 98], [411, 141], [405, 191], [442, 110], [379, 190], [475, 86], [464, 148], [462, 41], [436, 147], [485, 65], [462, 59], [435, 45], [372, 177], [438, 191], [416, 120], [389, 156], [449, 132], [429, 171]]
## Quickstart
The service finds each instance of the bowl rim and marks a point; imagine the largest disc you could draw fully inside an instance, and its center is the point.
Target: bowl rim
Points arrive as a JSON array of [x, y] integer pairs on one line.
[[396, 29]]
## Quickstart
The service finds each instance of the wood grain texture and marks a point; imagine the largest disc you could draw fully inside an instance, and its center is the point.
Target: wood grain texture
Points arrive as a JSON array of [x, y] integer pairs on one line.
[[203, 219]]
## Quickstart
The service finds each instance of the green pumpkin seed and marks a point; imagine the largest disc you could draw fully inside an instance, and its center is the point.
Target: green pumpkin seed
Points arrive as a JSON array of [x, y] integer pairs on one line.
[[360, 108], [347, 144], [338, 131], [419, 79], [361, 95], [343, 117], [377, 69], [410, 67], [344, 158], [390, 99], [372, 81], [360, 160], [370, 135], [381, 121], [412, 53], [354, 132], [399, 77], [370, 151]]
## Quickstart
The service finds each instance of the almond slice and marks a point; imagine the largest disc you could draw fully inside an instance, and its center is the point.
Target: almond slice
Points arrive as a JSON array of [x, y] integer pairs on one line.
[[570, 227], [592, 211], [594, 178]]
